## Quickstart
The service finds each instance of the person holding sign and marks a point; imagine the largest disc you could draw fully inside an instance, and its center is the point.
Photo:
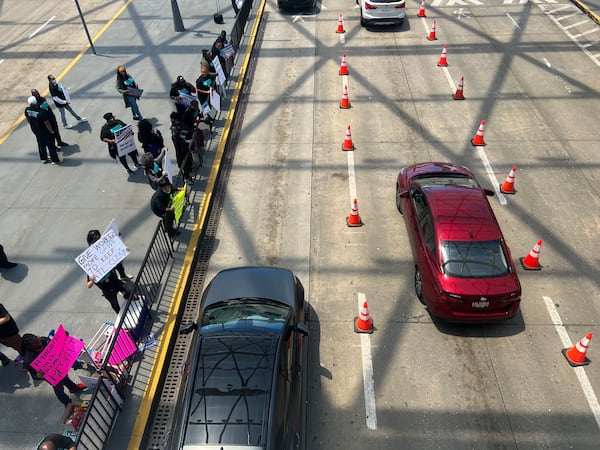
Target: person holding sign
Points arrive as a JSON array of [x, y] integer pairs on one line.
[[128, 88], [107, 134], [180, 92], [32, 348], [162, 206]]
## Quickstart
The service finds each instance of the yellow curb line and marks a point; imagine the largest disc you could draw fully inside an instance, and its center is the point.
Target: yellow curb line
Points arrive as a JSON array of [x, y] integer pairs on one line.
[[160, 360]]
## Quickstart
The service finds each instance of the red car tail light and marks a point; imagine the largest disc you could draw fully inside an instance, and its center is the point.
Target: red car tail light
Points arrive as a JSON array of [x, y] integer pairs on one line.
[[403, 5], [370, 6]]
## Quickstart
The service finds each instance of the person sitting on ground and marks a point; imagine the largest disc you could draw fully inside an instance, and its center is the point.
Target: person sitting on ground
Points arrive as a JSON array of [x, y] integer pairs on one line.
[[32, 347]]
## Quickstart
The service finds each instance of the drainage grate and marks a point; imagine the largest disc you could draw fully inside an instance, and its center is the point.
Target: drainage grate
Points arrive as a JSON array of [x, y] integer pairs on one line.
[[162, 418]]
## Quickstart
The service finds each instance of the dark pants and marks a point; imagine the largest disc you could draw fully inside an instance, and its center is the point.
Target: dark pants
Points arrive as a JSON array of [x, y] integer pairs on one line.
[[169, 222], [59, 390], [46, 147], [54, 125], [133, 156], [3, 257]]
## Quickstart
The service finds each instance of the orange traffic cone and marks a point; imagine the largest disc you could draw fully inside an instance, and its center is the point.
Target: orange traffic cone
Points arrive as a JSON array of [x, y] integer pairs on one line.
[[363, 323], [443, 62], [576, 354], [478, 138], [421, 12], [347, 144], [432, 36], [345, 102], [458, 95], [353, 220], [508, 187], [343, 66], [531, 261], [340, 27]]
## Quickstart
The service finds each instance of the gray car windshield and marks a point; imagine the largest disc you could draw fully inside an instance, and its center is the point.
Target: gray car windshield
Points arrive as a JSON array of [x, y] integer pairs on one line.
[[474, 259], [431, 180], [251, 312]]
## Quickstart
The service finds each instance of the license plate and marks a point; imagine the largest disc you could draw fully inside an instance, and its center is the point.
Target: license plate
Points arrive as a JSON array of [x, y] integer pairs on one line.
[[481, 304]]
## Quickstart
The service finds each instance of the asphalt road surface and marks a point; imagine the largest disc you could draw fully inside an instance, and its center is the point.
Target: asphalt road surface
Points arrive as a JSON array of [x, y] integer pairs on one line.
[[416, 383]]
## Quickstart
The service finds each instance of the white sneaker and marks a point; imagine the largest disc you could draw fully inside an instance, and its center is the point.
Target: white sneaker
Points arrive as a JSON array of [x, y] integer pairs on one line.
[[68, 126], [82, 120]]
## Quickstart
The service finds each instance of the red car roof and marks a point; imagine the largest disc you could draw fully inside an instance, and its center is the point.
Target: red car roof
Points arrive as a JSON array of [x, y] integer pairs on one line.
[[462, 214]]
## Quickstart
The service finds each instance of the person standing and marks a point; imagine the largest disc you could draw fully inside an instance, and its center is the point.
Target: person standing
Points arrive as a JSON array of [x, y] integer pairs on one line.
[[181, 86], [41, 101], [93, 236], [62, 100], [107, 134], [4, 262], [32, 347], [41, 127], [151, 140], [162, 206], [9, 331], [125, 82], [182, 148]]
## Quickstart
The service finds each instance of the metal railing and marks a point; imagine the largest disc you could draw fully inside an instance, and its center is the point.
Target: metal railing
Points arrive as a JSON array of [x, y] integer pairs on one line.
[[114, 364]]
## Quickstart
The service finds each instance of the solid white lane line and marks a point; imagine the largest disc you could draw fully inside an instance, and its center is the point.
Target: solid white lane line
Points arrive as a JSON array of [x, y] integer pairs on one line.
[[449, 78], [584, 382], [351, 177], [368, 382], [41, 28], [492, 176], [513, 20]]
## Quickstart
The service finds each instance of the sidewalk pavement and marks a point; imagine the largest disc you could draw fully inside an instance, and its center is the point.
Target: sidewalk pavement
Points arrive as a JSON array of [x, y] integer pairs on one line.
[[46, 210]]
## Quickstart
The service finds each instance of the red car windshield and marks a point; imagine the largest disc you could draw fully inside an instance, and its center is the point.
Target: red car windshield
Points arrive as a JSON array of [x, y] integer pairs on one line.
[[432, 180], [473, 259]]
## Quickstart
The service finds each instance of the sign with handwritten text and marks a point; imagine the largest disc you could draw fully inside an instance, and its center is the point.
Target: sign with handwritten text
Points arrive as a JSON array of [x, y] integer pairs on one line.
[[58, 357], [103, 255]]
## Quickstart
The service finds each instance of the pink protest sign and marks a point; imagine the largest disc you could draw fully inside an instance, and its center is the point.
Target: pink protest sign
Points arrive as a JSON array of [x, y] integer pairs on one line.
[[123, 349], [58, 357]]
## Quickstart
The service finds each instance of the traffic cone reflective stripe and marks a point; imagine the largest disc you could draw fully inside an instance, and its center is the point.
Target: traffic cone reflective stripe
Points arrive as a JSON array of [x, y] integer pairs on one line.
[[348, 144], [432, 36], [340, 27], [363, 323], [458, 95], [345, 102], [508, 187], [531, 261], [353, 220], [421, 12], [576, 354], [443, 62], [478, 138], [344, 66]]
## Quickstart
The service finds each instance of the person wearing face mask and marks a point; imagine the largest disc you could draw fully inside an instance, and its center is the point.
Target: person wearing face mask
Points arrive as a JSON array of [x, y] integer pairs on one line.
[[107, 134], [62, 100]]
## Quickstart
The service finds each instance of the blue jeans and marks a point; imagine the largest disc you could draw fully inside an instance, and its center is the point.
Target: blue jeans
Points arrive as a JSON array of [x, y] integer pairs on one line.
[[63, 115], [132, 101]]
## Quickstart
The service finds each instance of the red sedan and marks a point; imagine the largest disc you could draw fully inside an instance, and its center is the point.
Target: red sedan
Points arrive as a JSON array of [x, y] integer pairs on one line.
[[463, 268]]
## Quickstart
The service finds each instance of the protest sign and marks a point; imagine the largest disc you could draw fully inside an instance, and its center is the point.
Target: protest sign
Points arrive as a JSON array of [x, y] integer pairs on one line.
[[112, 226], [179, 202], [215, 99], [58, 357], [168, 167], [103, 255], [228, 51], [125, 139], [135, 92], [220, 72], [185, 99]]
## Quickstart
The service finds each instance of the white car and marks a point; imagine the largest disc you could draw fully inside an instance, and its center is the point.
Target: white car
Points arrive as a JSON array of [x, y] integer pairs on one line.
[[381, 11]]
